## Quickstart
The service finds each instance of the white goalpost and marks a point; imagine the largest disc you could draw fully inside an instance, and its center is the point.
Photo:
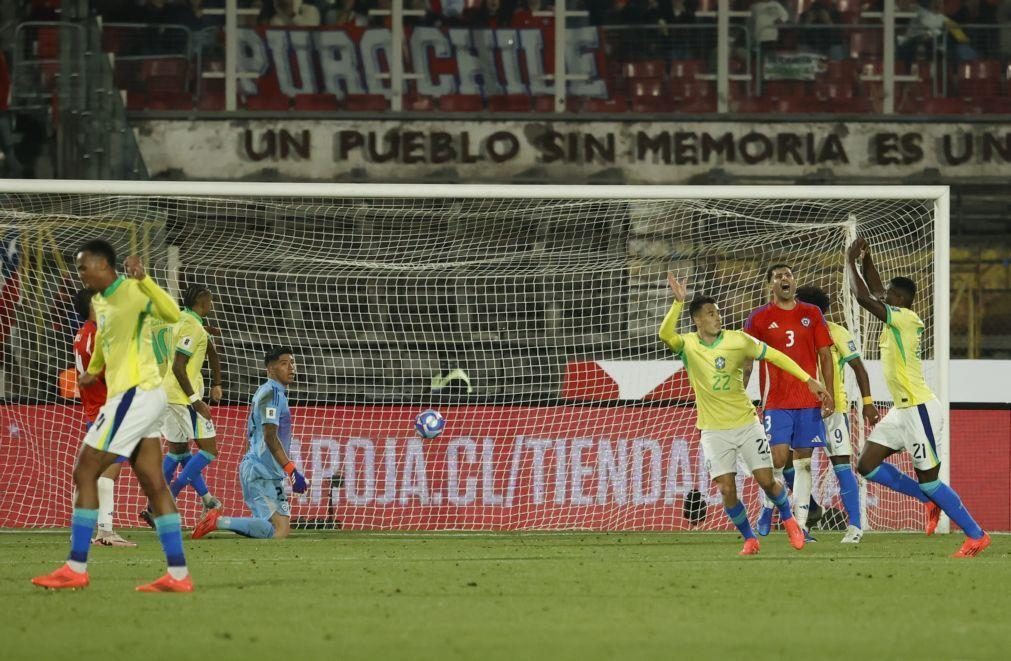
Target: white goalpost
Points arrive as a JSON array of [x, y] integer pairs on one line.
[[527, 315]]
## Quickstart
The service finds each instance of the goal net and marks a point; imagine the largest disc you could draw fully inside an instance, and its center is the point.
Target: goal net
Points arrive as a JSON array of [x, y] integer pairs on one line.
[[527, 316]]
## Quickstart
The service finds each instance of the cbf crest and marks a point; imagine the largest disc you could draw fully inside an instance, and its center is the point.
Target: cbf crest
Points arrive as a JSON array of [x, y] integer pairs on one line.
[[721, 362]]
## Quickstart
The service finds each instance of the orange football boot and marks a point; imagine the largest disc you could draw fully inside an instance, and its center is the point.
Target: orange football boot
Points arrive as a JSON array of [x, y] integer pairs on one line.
[[972, 547], [168, 584], [933, 517], [63, 578], [751, 547], [795, 534], [207, 525]]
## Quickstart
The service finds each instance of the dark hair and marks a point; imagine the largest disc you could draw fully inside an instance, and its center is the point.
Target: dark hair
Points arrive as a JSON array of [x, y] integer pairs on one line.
[[904, 285], [82, 303], [274, 354], [768, 271], [193, 294], [698, 302], [814, 296], [101, 249]]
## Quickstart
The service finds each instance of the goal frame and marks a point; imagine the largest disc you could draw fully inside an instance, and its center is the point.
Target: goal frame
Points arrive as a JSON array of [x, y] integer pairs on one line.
[[214, 189]]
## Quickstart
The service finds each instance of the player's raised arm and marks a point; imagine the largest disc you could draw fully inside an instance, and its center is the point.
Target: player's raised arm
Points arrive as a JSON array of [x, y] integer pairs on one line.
[[668, 328], [763, 351], [860, 287], [163, 306]]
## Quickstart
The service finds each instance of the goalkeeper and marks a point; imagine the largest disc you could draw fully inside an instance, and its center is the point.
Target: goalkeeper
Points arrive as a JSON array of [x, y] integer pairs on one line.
[[266, 463], [714, 358]]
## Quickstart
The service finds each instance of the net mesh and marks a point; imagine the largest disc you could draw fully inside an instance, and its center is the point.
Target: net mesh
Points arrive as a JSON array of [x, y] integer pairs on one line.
[[529, 324]]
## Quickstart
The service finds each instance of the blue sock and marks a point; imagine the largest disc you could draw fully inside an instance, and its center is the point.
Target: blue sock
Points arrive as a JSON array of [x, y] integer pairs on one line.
[[849, 492], [951, 504], [739, 516], [82, 527], [788, 475], [169, 527], [782, 503], [250, 527], [191, 473], [169, 464], [891, 477]]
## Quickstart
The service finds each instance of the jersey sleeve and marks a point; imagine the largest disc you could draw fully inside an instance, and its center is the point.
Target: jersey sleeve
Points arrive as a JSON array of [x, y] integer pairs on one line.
[[844, 344], [668, 328], [751, 328], [754, 348], [161, 305], [186, 340], [271, 406], [97, 362], [822, 337]]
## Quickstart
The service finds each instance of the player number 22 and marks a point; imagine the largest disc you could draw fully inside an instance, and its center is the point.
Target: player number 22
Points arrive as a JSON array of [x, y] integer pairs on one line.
[[721, 382], [789, 338]]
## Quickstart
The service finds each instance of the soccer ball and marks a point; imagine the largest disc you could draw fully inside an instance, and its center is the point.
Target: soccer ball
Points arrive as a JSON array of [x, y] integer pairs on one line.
[[429, 423]]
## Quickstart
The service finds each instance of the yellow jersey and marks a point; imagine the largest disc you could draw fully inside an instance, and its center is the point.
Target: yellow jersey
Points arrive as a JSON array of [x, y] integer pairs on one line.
[[715, 371], [190, 340], [844, 349], [900, 358], [124, 343]]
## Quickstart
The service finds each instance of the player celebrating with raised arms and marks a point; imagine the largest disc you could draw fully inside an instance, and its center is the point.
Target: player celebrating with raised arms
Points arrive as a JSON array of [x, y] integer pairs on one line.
[[916, 416], [266, 463], [793, 416], [837, 428], [714, 359], [129, 423], [189, 416]]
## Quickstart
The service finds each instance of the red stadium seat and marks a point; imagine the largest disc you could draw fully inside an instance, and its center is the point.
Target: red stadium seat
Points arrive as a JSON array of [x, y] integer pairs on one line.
[[647, 95], [996, 105], [316, 102], [47, 45], [942, 106], [754, 105], [798, 105], [851, 106], [461, 103], [136, 100], [844, 71], [545, 103], [830, 89], [165, 84], [864, 43], [780, 89], [267, 102], [686, 69], [509, 103], [646, 69], [694, 89], [211, 100], [169, 100], [616, 104], [165, 66], [366, 102], [979, 78], [697, 106], [416, 103]]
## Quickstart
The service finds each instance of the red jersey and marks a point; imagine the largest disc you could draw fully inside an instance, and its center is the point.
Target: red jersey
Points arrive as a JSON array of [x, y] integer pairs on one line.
[[798, 333], [93, 397]]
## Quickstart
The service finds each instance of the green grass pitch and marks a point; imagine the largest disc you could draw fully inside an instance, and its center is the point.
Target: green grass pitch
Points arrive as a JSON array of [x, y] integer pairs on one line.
[[353, 595]]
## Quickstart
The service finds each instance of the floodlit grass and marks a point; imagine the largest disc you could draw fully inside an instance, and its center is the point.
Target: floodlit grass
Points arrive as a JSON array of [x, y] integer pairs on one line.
[[514, 596]]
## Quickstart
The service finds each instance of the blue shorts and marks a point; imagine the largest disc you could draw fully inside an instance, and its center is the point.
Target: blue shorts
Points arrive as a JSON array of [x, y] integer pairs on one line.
[[119, 460], [264, 495], [800, 428]]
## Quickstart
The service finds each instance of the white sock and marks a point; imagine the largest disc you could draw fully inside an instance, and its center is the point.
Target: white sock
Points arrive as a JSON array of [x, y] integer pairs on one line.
[[79, 567], [178, 573], [802, 491], [106, 503], [207, 498]]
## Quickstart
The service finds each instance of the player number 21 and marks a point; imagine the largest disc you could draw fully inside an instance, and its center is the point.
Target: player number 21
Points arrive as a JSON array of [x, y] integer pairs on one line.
[[919, 451], [721, 382]]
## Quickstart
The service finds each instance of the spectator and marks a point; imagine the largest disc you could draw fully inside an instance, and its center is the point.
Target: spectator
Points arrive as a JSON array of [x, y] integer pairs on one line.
[[765, 15], [678, 44], [821, 38], [524, 17], [489, 14], [635, 43], [294, 13], [982, 39], [347, 13], [931, 30]]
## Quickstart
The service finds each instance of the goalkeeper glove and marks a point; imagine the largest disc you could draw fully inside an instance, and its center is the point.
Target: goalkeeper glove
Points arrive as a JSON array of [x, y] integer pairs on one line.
[[297, 480]]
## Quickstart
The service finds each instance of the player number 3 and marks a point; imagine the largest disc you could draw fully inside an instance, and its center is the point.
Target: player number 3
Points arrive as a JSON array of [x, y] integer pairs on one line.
[[789, 338]]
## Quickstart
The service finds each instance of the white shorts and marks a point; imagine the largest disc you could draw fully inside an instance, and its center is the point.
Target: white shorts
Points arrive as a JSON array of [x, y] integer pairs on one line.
[[183, 424], [914, 429], [837, 435], [722, 447], [127, 418]]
